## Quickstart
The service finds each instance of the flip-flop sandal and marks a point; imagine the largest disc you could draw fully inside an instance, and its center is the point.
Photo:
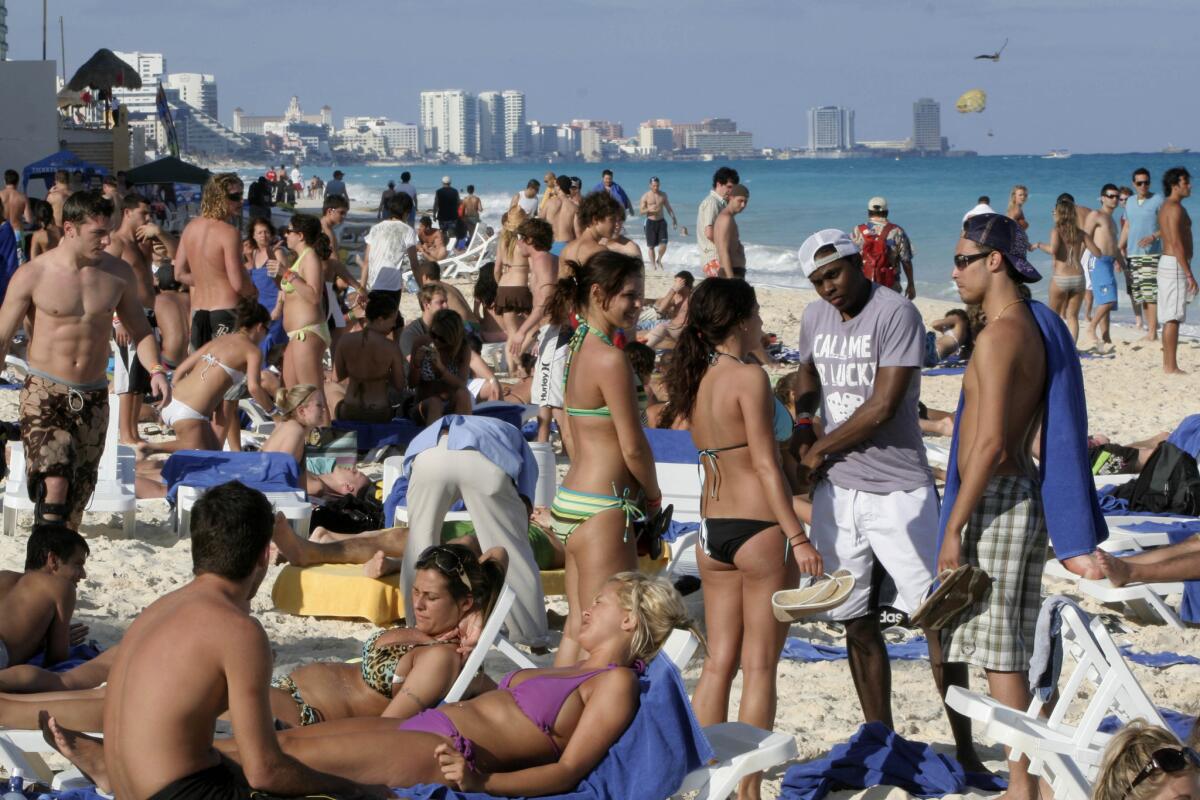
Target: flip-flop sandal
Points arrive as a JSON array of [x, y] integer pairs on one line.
[[958, 590], [651, 531], [827, 592]]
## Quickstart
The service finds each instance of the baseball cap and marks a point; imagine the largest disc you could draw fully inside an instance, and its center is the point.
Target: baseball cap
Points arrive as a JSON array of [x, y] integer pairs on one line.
[[841, 242], [877, 204], [446, 179], [1005, 235]]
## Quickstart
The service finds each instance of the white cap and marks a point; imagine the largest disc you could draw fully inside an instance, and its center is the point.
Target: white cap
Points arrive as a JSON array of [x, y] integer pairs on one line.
[[839, 240], [877, 204], [446, 179], [982, 208]]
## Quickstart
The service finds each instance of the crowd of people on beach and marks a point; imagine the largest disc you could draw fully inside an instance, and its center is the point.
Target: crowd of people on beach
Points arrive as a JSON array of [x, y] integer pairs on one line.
[[821, 471]]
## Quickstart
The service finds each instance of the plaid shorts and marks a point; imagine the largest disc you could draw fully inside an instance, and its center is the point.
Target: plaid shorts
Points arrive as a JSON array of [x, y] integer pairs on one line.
[[1145, 278], [1006, 537]]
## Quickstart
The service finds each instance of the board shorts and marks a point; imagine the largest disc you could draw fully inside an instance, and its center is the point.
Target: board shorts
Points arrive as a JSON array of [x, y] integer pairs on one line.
[[1104, 281], [63, 429], [1006, 538], [1172, 290], [129, 376], [208, 325], [1145, 278], [553, 346], [656, 232]]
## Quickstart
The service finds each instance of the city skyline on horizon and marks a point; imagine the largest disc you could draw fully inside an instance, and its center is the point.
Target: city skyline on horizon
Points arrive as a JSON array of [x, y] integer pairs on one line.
[[1030, 108]]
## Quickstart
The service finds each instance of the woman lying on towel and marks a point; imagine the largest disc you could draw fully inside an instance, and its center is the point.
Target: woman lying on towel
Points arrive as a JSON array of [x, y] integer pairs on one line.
[[403, 670], [541, 732], [372, 365], [301, 409], [1145, 762], [211, 374]]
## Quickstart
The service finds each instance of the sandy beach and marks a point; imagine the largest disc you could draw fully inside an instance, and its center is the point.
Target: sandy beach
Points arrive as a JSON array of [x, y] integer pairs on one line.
[[1128, 398]]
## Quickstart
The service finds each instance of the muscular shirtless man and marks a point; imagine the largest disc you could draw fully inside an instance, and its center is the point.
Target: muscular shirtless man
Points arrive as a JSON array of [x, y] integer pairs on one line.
[[599, 214], [209, 260], [651, 205], [731, 256], [1176, 281], [132, 242], [73, 291], [1103, 230], [560, 211], [58, 194]]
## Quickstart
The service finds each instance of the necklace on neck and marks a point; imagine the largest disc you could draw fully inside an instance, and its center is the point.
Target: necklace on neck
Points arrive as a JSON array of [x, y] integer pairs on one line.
[[716, 354], [1010, 305]]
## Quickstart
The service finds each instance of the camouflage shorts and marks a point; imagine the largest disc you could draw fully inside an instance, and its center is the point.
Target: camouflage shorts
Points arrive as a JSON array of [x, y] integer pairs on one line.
[[62, 432]]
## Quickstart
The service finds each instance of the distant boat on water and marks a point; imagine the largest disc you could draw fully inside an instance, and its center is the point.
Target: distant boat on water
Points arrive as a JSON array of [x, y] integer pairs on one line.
[[1058, 154], [1172, 150]]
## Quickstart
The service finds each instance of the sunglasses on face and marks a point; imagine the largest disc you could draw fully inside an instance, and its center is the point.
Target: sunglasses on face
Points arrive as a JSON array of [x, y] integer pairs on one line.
[[447, 561], [234, 196], [1112, 196], [1141, 183], [1169, 760], [963, 261]]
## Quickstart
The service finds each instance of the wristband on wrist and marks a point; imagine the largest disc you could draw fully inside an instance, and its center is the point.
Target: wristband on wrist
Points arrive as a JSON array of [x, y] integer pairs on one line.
[[157, 369]]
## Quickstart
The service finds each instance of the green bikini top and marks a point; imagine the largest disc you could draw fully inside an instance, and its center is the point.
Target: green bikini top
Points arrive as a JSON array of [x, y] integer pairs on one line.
[[576, 344]]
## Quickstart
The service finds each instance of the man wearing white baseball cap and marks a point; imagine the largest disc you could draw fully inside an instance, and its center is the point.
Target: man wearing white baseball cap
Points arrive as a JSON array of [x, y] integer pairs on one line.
[[885, 248], [874, 502]]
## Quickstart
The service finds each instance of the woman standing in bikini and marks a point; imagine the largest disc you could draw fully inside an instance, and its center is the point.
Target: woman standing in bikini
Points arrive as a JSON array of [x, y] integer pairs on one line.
[[612, 481], [751, 540], [204, 379], [304, 315], [371, 364], [1067, 241], [514, 300]]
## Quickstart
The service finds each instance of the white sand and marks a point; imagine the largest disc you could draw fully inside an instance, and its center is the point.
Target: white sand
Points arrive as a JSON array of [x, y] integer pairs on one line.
[[1128, 398]]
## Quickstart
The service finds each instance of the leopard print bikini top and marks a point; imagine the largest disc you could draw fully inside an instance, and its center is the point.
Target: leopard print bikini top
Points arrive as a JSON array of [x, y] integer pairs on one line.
[[379, 664]]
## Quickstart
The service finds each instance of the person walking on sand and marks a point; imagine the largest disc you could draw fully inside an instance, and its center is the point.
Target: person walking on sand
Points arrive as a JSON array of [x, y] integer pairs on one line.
[[1141, 244], [1023, 379], [731, 255], [651, 206], [472, 210], [1107, 264], [885, 249], [386, 195], [1176, 281], [77, 287], [1068, 241], [445, 209], [410, 190], [861, 350]]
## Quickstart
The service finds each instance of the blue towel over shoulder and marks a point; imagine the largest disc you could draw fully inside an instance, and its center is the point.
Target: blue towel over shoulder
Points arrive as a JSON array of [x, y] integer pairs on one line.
[[1073, 517], [658, 749]]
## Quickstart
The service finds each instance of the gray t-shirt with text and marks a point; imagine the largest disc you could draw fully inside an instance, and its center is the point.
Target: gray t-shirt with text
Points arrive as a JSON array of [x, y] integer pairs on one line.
[[887, 332]]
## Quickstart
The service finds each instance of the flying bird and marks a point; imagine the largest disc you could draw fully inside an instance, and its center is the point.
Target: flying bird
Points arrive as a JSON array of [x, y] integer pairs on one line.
[[993, 56]]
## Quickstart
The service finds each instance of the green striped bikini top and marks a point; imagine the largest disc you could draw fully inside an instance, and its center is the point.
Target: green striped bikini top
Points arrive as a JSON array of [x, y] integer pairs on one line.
[[576, 343]]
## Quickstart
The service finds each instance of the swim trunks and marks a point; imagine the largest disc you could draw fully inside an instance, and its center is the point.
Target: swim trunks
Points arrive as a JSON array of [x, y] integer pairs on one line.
[[656, 232], [62, 431], [516, 299], [1104, 281], [1145, 278], [129, 376], [208, 325], [557, 248], [553, 342], [1172, 290]]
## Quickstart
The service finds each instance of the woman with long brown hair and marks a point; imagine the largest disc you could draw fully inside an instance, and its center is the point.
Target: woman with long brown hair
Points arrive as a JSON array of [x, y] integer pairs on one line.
[[514, 300], [304, 316], [1067, 242], [440, 368]]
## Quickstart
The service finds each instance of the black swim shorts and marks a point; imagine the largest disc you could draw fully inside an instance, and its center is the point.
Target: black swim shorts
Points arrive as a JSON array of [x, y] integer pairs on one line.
[[208, 325], [656, 232]]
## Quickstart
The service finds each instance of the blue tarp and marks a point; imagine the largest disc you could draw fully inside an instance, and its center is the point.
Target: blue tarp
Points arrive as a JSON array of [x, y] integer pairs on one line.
[[203, 469], [800, 650], [63, 159]]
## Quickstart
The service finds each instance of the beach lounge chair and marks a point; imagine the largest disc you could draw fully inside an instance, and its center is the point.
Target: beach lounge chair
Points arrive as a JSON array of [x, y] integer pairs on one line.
[[679, 478], [1146, 602], [23, 750], [489, 638], [114, 493], [260, 420], [1067, 753], [189, 473], [471, 260], [393, 468]]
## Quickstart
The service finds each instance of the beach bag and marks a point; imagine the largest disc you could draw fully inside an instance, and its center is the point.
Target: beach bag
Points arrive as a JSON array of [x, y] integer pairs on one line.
[[877, 264], [1168, 484], [350, 513]]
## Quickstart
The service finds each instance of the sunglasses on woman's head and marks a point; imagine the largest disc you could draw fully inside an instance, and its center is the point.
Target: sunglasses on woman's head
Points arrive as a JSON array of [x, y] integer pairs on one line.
[[1168, 760], [446, 560]]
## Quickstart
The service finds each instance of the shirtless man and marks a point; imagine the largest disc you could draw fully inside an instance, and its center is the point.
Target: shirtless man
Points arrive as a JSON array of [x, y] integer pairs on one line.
[[190, 657], [73, 290], [472, 208], [672, 308], [333, 214], [1176, 281], [651, 206], [16, 205], [993, 515], [599, 215], [172, 308], [58, 194], [209, 260], [432, 244], [560, 211], [132, 242], [730, 254], [429, 272], [1103, 230]]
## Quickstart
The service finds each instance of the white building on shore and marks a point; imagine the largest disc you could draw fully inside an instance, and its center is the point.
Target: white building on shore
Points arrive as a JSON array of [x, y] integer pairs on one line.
[[449, 124]]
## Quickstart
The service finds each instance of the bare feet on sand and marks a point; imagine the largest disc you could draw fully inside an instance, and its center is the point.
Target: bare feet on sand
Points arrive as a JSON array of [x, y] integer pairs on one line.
[[83, 751], [1116, 570], [1085, 566]]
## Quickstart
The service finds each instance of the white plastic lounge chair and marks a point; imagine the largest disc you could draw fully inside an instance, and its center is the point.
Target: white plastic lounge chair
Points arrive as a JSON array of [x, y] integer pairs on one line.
[[471, 260], [490, 638], [393, 467], [294, 504], [23, 750], [114, 493], [1141, 601], [1067, 753], [260, 420], [937, 455], [740, 749]]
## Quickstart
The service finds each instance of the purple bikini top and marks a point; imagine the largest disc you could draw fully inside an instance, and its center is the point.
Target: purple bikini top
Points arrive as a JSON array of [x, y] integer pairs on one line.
[[541, 697]]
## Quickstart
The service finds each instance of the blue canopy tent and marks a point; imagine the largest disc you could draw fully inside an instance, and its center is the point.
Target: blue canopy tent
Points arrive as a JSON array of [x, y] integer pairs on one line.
[[63, 159]]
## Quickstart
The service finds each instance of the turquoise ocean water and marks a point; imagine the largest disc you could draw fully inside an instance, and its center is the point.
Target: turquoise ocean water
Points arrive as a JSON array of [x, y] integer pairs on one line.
[[791, 199]]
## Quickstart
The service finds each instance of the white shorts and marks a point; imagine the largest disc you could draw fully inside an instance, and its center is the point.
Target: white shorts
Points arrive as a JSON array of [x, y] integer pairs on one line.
[[1087, 261], [177, 410], [1172, 290], [852, 528], [551, 364], [129, 376]]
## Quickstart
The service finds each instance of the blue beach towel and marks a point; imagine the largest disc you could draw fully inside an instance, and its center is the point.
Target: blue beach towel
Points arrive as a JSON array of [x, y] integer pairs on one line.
[[9, 260], [800, 650], [1073, 517], [936, 371], [1157, 660], [677, 529], [1187, 436], [661, 746], [373, 435], [509, 412], [671, 446], [876, 755], [76, 655], [203, 469], [1180, 724]]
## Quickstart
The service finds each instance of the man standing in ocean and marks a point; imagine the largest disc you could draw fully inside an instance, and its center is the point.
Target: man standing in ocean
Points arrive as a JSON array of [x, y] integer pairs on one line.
[[885, 248], [861, 350], [209, 260], [1176, 282], [1023, 378], [445, 209], [1141, 242], [651, 205], [1103, 230], [724, 179]]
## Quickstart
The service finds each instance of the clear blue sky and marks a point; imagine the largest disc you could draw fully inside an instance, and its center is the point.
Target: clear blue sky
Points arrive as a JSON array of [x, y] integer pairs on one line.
[[1089, 75]]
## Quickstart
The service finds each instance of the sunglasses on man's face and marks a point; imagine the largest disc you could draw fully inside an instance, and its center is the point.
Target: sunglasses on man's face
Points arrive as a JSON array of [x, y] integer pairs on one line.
[[1113, 196], [1141, 183], [1169, 760]]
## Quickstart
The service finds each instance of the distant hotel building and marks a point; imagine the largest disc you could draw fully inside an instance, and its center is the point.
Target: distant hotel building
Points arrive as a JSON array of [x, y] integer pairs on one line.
[[830, 128], [655, 140], [379, 136], [3, 32], [449, 123], [927, 126], [197, 90], [713, 143], [260, 125]]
